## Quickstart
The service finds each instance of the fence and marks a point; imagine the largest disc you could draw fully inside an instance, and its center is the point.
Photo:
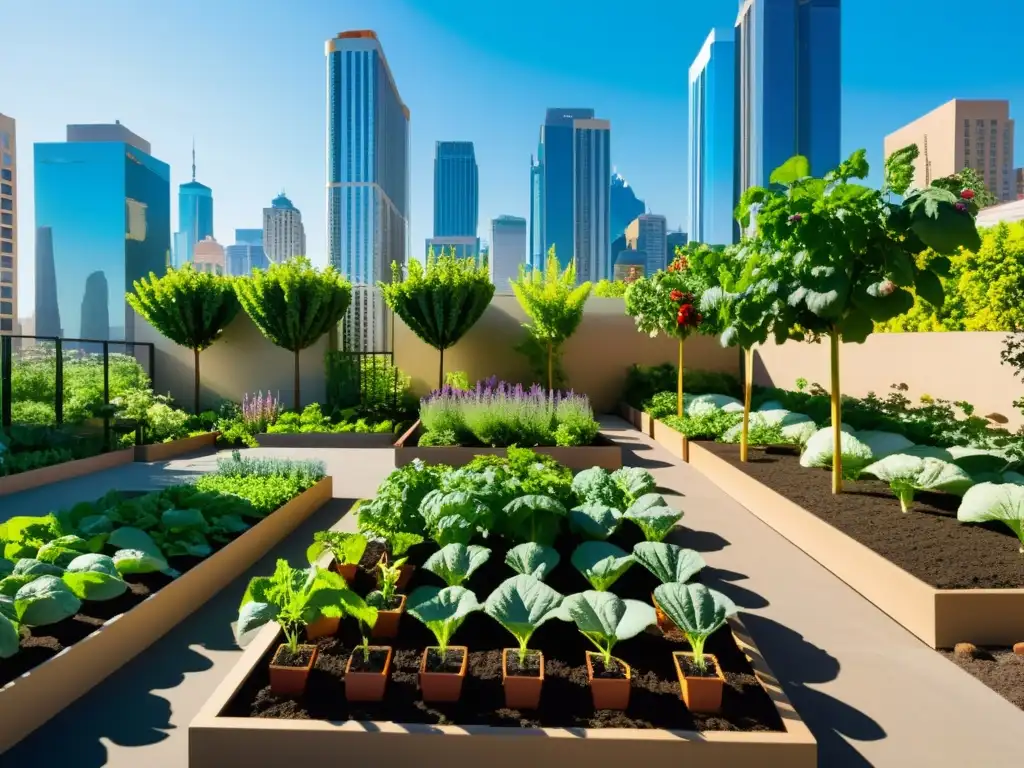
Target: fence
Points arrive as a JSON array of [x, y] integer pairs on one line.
[[367, 379]]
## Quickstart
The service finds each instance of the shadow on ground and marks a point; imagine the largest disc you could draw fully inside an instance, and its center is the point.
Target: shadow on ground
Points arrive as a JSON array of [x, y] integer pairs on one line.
[[128, 710]]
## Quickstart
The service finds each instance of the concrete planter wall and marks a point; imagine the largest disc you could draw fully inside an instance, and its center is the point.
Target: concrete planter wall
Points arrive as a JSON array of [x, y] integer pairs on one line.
[[326, 440], [24, 481], [175, 448]]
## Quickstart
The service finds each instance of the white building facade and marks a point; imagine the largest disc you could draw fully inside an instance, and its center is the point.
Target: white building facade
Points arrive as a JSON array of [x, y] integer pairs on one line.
[[508, 250], [283, 233]]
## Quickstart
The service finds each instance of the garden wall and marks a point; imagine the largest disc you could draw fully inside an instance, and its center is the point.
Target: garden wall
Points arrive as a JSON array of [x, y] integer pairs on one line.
[[595, 359], [241, 361], [950, 366]]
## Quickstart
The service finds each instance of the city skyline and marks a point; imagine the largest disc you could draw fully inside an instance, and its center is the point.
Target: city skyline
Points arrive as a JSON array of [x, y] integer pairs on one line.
[[649, 116]]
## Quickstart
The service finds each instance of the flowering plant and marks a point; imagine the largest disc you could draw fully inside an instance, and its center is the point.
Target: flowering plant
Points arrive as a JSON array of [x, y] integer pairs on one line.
[[666, 302], [259, 411]]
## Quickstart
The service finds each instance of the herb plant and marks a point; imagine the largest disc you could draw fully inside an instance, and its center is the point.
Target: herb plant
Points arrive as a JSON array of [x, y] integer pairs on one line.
[[606, 620], [531, 559], [387, 582], [346, 548], [601, 563], [454, 563], [668, 562], [442, 611], [521, 604], [697, 611]]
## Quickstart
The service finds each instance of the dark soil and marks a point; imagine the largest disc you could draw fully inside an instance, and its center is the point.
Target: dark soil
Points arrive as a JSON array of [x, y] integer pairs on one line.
[[690, 668], [927, 541], [1000, 669], [566, 701], [299, 658], [611, 671], [530, 666], [449, 662], [373, 663]]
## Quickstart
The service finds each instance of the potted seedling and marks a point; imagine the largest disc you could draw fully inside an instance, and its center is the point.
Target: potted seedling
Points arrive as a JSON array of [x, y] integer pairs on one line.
[[605, 620], [669, 563], [601, 563], [366, 673], [346, 548], [399, 543], [386, 600], [521, 604], [532, 559], [443, 667], [454, 563], [294, 598], [699, 612], [653, 516]]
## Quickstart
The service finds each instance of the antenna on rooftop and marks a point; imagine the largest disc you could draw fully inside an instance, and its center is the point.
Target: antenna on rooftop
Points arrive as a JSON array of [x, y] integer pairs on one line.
[[193, 158]]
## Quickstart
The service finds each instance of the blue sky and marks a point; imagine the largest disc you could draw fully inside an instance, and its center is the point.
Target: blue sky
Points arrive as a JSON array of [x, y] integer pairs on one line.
[[247, 79]]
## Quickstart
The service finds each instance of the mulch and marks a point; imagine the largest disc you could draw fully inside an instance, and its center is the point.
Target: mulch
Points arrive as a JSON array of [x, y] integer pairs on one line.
[[999, 668]]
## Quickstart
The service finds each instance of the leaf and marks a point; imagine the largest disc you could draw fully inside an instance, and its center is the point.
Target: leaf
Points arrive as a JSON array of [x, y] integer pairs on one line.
[[655, 518], [990, 501], [129, 537], [536, 518], [929, 288], [697, 611], [668, 562], [521, 604], [606, 616], [347, 548], [940, 226], [595, 521], [10, 639], [183, 520], [136, 561], [596, 486], [46, 600], [976, 461], [532, 559], [601, 563], [441, 610], [455, 563], [94, 577], [856, 326], [253, 616], [791, 171], [29, 566], [634, 481], [818, 451], [882, 444]]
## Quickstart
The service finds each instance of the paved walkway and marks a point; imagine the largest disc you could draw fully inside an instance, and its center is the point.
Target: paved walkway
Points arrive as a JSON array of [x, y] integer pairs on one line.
[[870, 691]]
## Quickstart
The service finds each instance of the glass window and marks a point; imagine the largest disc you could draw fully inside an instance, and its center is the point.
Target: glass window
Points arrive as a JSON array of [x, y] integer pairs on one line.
[[6, 247], [7, 262], [6, 189], [6, 204], [7, 277], [6, 292], [6, 324], [6, 218], [7, 232], [6, 175], [6, 308], [5, 140], [6, 158]]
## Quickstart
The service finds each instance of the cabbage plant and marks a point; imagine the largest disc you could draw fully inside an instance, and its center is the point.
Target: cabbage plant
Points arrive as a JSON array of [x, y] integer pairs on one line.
[[653, 516], [535, 518], [991, 501], [601, 563], [521, 604], [605, 619], [10, 636], [532, 559], [63, 550], [908, 474], [452, 517], [594, 521], [45, 600], [94, 577], [697, 611], [442, 611], [454, 563], [668, 562], [616, 489]]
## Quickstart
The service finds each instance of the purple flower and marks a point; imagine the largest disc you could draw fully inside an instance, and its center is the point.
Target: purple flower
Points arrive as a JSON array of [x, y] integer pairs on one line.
[[961, 207], [795, 218], [260, 411]]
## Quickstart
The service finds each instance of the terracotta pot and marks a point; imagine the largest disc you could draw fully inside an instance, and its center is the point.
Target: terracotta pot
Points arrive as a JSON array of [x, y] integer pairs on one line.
[[521, 691], [290, 681], [443, 686], [387, 621], [700, 694], [664, 622], [367, 686], [611, 692], [348, 571], [404, 576], [323, 627]]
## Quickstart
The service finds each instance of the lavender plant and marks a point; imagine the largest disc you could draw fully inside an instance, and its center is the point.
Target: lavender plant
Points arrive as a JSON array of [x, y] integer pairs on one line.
[[259, 411]]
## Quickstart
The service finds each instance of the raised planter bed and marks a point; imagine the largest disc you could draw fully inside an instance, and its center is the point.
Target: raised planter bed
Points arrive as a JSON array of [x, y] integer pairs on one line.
[[1000, 669], [603, 453], [945, 581], [638, 419], [175, 448], [326, 440], [93, 646], [23, 481]]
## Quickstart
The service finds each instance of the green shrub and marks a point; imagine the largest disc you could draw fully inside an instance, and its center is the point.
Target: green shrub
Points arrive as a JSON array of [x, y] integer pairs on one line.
[[709, 425], [644, 382]]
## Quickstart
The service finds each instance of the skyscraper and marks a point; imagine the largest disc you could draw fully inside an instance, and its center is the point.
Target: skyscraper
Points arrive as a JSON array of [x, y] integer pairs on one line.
[[246, 254], [8, 225], [556, 198], [456, 189], [367, 179], [461, 247], [103, 219], [592, 167], [47, 311], [789, 91], [647, 233], [711, 151], [209, 256], [535, 257], [195, 216], [508, 250], [283, 234]]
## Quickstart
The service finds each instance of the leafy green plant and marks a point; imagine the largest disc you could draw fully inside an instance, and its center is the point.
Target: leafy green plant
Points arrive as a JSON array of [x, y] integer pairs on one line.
[[442, 611], [668, 562], [440, 300], [535, 518], [610, 289], [396, 507], [594, 521], [987, 502], [45, 600], [616, 489], [190, 308], [388, 573], [653, 516], [345, 548], [454, 563], [293, 304], [697, 611], [606, 620], [521, 604], [909, 474], [601, 563], [452, 518], [553, 302], [705, 425], [10, 636], [94, 577], [532, 559]]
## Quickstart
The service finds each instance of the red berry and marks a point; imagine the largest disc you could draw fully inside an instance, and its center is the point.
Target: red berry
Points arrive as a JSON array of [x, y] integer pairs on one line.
[[967, 194]]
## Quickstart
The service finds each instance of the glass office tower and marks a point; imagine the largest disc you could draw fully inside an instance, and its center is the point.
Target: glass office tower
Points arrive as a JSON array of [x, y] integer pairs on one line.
[[456, 189], [195, 219], [557, 182], [592, 168]]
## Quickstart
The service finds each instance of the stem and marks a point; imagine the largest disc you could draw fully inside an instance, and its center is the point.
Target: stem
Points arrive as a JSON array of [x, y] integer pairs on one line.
[[440, 372], [697, 645], [522, 651], [905, 496], [748, 385], [298, 406], [196, 354], [551, 368], [679, 380], [837, 414]]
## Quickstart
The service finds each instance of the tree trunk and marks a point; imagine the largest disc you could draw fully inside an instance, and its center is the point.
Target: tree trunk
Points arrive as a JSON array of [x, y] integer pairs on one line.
[[837, 415], [551, 368], [440, 370], [298, 395], [679, 379], [748, 385], [195, 353]]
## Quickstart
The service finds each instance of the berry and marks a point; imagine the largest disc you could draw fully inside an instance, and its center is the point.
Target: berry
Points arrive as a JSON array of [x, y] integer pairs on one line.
[[967, 194]]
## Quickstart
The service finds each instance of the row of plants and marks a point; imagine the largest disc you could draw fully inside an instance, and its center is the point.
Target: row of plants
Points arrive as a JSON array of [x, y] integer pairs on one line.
[[93, 551], [516, 507], [499, 414]]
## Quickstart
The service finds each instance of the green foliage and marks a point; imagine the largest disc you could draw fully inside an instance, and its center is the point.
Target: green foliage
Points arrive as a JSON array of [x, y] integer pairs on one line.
[[455, 563], [396, 505], [605, 620], [370, 385], [346, 548], [601, 563], [652, 515], [442, 611], [909, 474], [968, 178], [697, 611], [644, 382], [992, 502], [668, 562], [610, 289], [521, 604], [705, 425]]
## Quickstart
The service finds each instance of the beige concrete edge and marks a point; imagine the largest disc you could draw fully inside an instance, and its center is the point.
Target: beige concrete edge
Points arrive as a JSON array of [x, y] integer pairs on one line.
[[34, 478], [326, 440], [671, 440], [29, 701], [213, 739], [175, 448]]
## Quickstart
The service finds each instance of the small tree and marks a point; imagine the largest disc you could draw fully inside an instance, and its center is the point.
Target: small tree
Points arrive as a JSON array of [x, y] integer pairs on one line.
[[440, 300], [554, 304], [190, 308], [293, 304]]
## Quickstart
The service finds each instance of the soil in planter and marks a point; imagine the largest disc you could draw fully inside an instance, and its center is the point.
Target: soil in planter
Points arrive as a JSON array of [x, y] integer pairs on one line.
[[690, 669], [530, 666], [1000, 669], [927, 541], [612, 671], [449, 663], [567, 701], [372, 663], [288, 658]]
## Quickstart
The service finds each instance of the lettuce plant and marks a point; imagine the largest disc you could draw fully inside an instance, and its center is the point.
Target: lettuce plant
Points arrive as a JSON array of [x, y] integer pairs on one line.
[[452, 517], [653, 516], [29, 566], [400, 542], [454, 563], [605, 620], [532, 559], [10, 636], [535, 518], [909, 474], [346, 548], [521, 604], [45, 600], [616, 489], [668, 562], [634, 482], [697, 611], [63, 550], [601, 563], [594, 520], [94, 577], [136, 561], [296, 597], [990, 501], [442, 611]]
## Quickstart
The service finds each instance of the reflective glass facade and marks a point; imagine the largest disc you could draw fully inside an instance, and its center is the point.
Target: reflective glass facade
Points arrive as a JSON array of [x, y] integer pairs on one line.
[[712, 147], [456, 189], [592, 168], [105, 211], [535, 257], [557, 196], [195, 219]]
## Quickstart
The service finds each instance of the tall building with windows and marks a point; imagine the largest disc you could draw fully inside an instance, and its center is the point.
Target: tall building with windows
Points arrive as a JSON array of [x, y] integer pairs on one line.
[[712, 141], [555, 200], [195, 216], [789, 91], [209, 256], [283, 234], [103, 217], [367, 180], [456, 189], [592, 167], [246, 254], [462, 247], [508, 251], [648, 234], [962, 133], [8, 225]]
